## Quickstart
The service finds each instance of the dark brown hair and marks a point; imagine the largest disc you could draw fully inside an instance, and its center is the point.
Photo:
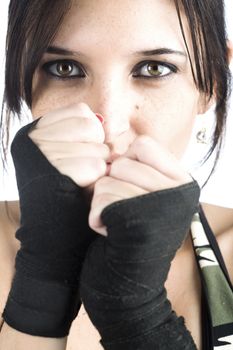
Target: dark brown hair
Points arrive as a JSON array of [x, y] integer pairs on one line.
[[32, 25]]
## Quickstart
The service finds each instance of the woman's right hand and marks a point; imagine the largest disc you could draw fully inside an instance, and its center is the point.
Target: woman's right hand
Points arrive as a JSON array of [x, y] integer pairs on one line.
[[71, 138], [54, 232]]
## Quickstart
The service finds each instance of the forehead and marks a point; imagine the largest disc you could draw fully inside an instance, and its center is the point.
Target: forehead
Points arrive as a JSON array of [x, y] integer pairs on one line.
[[121, 24]]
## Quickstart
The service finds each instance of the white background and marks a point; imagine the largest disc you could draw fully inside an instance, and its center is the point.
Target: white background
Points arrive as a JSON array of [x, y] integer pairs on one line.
[[219, 189]]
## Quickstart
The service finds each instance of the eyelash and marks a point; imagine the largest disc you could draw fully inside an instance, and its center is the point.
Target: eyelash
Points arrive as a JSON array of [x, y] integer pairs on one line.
[[47, 69]]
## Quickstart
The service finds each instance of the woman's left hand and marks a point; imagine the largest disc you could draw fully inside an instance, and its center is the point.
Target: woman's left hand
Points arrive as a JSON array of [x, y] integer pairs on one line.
[[145, 167], [146, 204]]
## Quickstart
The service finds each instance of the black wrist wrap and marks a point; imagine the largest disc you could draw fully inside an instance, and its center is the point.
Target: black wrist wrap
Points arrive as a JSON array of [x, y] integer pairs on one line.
[[122, 284], [54, 237]]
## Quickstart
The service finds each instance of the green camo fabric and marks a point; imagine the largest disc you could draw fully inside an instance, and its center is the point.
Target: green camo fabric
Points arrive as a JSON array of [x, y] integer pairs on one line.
[[217, 288]]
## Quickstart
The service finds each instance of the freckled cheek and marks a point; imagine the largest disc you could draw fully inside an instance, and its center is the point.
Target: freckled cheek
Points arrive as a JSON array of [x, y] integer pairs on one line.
[[178, 140], [177, 130], [169, 121], [45, 97], [47, 102]]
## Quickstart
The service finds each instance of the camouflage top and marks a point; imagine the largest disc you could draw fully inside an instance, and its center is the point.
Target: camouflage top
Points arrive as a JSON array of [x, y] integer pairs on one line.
[[217, 295]]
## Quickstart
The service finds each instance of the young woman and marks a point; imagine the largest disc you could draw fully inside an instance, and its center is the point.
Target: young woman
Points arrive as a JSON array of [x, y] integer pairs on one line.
[[107, 214]]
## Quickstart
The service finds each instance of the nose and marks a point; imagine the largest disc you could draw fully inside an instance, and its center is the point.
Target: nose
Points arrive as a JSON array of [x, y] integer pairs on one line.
[[111, 99]]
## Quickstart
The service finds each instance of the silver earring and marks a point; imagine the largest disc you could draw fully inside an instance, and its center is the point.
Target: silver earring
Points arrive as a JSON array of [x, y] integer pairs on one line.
[[201, 136]]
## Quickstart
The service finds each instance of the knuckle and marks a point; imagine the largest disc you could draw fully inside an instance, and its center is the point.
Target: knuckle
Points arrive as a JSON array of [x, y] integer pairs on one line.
[[102, 185], [120, 162], [85, 126], [104, 150], [74, 123], [142, 140], [103, 199], [98, 165], [89, 171], [103, 181], [82, 107], [76, 127]]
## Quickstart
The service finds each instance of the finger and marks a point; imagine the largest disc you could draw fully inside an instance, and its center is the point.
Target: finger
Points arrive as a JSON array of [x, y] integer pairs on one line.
[[60, 150], [94, 216], [70, 130], [74, 110], [141, 175], [116, 188], [102, 230], [83, 171], [107, 191], [148, 151]]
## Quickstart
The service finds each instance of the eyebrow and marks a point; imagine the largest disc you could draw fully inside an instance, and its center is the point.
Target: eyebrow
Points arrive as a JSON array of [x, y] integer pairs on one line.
[[161, 51]]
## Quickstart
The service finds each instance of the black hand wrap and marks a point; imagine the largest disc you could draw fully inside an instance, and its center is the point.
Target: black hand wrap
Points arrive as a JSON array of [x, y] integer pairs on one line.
[[122, 282], [54, 236]]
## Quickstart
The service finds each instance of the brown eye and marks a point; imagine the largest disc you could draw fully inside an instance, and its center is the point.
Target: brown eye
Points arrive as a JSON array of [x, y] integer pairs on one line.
[[153, 69], [63, 69], [156, 69]]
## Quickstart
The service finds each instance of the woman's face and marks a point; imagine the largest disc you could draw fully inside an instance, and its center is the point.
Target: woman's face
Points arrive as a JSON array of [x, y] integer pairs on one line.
[[109, 66]]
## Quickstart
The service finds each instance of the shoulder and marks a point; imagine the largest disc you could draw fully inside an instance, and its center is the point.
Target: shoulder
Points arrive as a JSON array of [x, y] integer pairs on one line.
[[220, 220], [9, 222], [9, 214]]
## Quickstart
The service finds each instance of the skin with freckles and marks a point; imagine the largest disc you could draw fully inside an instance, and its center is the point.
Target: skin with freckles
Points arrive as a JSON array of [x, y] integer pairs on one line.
[[135, 93], [149, 103], [163, 106]]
